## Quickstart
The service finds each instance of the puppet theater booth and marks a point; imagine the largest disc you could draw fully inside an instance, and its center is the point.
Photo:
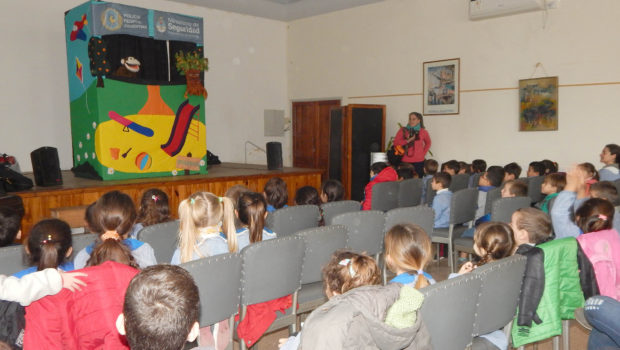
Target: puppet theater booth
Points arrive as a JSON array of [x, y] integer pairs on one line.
[[133, 114]]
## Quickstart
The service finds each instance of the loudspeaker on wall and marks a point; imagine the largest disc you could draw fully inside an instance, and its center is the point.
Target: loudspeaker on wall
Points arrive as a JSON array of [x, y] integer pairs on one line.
[[274, 155], [46, 166]]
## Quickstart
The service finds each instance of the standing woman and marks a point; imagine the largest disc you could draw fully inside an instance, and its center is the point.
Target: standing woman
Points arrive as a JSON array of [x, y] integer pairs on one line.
[[415, 141], [611, 158]]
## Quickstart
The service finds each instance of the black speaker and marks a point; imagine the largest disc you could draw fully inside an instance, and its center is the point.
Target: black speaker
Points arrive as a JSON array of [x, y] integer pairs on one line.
[[274, 155], [46, 166]]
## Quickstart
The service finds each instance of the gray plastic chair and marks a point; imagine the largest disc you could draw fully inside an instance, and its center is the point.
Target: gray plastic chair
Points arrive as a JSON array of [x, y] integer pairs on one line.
[[420, 215], [12, 259], [448, 311], [81, 241], [617, 184], [533, 188], [499, 293], [287, 221], [219, 284], [503, 208], [459, 182], [474, 179], [409, 193], [270, 270], [163, 238], [365, 230], [430, 193], [462, 211], [492, 196], [321, 243], [332, 209], [385, 196]]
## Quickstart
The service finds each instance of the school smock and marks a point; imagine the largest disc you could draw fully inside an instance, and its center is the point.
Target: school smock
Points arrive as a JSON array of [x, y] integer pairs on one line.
[[441, 206], [407, 278], [208, 244], [66, 266], [243, 236], [141, 251]]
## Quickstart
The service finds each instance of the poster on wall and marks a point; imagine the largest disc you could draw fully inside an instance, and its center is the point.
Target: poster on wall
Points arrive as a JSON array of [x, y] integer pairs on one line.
[[441, 86], [538, 104]]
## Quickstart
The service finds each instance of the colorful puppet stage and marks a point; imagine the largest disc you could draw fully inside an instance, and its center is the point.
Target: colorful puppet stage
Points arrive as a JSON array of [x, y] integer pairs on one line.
[[130, 114]]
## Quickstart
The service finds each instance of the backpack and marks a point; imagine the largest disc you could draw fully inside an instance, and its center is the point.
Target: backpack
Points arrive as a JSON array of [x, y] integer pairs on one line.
[[12, 324], [12, 181]]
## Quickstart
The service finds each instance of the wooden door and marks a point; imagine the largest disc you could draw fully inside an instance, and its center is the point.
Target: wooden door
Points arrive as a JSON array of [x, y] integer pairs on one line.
[[311, 133]]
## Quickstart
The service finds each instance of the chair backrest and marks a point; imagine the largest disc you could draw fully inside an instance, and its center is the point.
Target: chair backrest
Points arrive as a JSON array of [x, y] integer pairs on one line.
[[163, 238], [617, 184], [499, 294], [430, 193], [385, 196], [321, 243], [287, 221], [219, 283], [420, 215], [409, 193], [12, 259], [332, 209], [459, 182], [81, 241], [503, 208], [492, 196], [365, 230], [533, 188], [271, 269], [448, 311], [463, 206], [551, 203], [474, 179]]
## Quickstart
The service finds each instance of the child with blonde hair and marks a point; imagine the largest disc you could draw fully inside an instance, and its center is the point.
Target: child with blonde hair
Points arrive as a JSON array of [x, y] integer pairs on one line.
[[407, 251], [203, 217]]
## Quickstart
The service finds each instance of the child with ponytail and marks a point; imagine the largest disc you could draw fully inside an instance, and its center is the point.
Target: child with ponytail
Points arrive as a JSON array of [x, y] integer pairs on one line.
[[203, 218], [407, 251], [49, 246], [112, 217], [154, 209], [252, 211]]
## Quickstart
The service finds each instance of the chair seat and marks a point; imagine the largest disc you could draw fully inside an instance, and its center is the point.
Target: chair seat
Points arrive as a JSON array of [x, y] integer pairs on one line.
[[440, 235], [310, 297]]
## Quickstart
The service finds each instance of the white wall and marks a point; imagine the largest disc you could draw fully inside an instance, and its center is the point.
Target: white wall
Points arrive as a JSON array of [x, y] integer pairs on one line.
[[379, 50], [247, 75]]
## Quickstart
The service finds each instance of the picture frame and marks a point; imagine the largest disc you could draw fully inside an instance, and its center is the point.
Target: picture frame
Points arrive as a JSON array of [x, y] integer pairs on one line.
[[538, 104], [441, 87]]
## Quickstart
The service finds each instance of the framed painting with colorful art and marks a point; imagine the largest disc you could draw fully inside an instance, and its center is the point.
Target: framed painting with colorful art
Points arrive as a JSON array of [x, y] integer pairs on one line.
[[538, 104], [441, 86]]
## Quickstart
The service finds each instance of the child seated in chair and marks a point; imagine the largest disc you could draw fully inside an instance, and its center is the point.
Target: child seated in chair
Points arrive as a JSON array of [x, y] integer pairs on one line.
[[379, 172], [491, 179], [10, 222], [512, 171], [430, 169], [443, 198], [535, 169], [551, 186], [514, 188]]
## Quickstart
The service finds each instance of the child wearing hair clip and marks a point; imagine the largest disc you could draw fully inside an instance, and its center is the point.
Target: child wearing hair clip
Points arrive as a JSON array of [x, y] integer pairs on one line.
[[360, 313], [154, 209], [49, 246]]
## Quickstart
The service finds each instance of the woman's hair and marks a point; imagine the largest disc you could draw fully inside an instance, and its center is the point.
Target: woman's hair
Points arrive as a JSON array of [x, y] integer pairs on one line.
[[333, 189], [495, 238], [154, 208], [48, 243], [347, 270], [409, 249], [595, 214], [307, 195], [590, 169], [251, 208], [276, 192], [200, 210], [419, 116], [536, 223], [112, 216], [614, 150], [111, 249]]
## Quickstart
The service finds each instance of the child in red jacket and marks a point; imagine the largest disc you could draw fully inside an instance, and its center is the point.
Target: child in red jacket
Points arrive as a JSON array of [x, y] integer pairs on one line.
[[379, 172]]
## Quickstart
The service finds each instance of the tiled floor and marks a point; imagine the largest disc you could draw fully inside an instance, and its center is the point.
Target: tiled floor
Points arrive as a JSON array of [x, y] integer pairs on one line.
[[440, 271]]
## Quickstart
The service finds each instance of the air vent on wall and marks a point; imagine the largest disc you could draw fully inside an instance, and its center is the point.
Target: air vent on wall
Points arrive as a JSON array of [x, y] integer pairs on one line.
[[480, 9]]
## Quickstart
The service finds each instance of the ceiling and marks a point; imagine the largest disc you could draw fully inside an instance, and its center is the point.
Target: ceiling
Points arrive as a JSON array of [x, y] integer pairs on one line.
[[282, 10]]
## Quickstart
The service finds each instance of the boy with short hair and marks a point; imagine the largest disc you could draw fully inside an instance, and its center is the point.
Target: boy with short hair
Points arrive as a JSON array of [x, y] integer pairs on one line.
[[430, 169], [535, 169], [514, 188], [161, 309], [451, 167], [379, 172], [551, 186], [491, 179], [10, 222], [443, 198], [512, 171]]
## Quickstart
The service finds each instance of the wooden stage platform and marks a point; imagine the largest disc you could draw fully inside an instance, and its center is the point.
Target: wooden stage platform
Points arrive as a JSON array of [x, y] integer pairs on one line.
[[39, 201]]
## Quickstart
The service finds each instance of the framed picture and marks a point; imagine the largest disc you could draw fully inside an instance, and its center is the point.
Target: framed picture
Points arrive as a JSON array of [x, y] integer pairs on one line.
[[441, 86], [538, 104]]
